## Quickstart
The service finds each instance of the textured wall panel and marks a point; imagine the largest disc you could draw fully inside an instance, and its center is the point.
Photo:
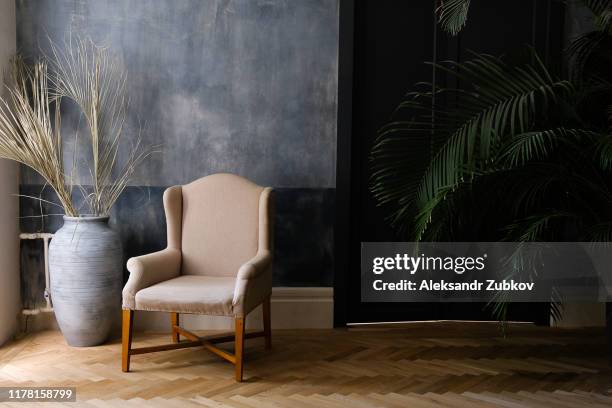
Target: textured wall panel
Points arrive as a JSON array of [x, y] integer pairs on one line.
[[245, 86]]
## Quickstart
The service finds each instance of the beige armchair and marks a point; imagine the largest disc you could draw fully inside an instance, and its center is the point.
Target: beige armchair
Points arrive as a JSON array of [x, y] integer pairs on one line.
[[218, 262]]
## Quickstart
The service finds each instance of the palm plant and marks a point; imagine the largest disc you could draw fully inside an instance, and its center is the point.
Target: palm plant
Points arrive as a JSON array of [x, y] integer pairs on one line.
[[517, 153]]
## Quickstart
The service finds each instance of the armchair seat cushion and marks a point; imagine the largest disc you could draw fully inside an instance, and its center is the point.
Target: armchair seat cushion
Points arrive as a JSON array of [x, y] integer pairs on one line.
[[210, 295]]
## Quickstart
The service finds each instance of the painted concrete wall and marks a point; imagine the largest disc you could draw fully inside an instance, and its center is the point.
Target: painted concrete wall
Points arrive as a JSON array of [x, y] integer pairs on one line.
[[243, 86], [246, 86], [9, 227]]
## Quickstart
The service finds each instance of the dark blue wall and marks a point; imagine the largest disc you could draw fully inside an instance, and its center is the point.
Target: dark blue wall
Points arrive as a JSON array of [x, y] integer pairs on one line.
[[243, 86]]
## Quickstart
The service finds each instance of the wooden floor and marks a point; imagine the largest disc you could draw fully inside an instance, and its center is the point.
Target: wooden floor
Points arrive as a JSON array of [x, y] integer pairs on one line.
[[419, 365]]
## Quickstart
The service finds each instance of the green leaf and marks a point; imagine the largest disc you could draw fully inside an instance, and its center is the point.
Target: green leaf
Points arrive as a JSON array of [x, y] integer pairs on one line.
[[598, 7], [416, 160], [452, 15]]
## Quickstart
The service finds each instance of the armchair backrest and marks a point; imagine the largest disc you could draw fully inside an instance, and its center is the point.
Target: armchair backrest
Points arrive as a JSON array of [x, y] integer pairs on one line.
[[221, 222]]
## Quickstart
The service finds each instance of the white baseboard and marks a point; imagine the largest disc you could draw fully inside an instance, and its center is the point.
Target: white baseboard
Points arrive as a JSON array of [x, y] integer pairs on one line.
[[581, 315], [292, 308]]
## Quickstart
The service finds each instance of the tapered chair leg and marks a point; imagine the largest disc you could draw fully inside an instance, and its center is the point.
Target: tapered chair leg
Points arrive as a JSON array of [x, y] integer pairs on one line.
[[174, 318], [239, 348], [267, 323], [126, 339]]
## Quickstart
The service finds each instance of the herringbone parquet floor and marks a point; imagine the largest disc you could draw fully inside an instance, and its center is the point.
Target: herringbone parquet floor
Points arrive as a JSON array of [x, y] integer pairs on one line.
[[419, 365]]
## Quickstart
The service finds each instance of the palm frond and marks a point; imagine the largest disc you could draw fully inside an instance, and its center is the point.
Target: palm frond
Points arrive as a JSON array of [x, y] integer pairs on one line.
[[600, 232], [452, 15], [604, 152], [537, 145], [501, 100], [528, 186], [507, 100], [528, 146], [531, 229], [587, 45], [598, 7], [604, 20], [557, 308], [580, 51]]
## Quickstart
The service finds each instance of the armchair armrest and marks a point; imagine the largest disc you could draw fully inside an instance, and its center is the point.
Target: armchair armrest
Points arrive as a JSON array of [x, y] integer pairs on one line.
[[255, 266], [254, 277], [147, 270]]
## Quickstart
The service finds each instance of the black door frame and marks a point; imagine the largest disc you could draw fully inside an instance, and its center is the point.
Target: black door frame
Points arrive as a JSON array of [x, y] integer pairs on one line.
[[342, 231], [347, 185]]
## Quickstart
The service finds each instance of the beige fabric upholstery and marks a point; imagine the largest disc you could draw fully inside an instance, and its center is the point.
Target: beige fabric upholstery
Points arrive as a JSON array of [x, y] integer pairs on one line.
[[219, 257], [209, 295], [149, 270], [220, 225]]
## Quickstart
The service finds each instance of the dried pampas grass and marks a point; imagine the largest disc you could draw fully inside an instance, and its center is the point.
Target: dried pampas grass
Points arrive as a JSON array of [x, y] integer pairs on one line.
[[92, 78], [27, 134]]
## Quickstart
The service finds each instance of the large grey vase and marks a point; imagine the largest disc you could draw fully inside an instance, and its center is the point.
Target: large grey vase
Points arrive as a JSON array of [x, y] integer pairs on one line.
[[85, 268]]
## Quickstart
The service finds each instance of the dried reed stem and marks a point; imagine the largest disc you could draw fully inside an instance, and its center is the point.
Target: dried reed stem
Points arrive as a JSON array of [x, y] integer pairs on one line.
[[27, 134], [92, 78]]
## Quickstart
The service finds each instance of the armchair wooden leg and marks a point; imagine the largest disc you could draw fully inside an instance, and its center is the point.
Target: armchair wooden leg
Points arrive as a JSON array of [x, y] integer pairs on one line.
[[239, 347], [174, 318], [126, 339], [267, 323]]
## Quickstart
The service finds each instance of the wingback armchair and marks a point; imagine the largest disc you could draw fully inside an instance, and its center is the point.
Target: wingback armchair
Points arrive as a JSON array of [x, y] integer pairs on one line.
[[218, 262]]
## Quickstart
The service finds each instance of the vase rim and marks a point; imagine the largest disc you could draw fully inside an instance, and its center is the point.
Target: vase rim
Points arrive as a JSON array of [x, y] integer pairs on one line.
[[87, 218]]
